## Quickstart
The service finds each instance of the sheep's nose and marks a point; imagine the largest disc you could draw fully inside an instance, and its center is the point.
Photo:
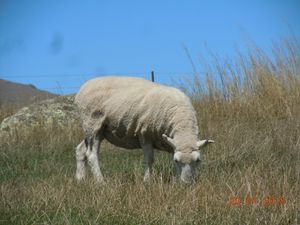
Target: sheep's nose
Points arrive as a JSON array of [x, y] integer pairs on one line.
[[186, 181]]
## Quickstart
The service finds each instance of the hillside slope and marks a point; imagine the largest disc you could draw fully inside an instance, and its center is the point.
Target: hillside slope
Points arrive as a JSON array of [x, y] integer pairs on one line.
[[19, 95]]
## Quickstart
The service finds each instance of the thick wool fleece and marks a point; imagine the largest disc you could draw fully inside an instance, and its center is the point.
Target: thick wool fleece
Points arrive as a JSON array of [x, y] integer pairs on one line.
[[126, 110]]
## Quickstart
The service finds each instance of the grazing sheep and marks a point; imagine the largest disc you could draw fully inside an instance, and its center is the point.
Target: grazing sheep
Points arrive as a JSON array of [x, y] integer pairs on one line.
[[136, 113]]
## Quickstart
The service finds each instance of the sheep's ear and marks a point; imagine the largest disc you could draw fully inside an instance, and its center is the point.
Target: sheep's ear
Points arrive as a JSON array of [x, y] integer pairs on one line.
[[203, 143], [169, 140]]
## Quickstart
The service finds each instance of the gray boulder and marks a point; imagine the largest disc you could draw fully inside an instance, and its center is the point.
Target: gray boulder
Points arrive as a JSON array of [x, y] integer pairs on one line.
[[60, 110]]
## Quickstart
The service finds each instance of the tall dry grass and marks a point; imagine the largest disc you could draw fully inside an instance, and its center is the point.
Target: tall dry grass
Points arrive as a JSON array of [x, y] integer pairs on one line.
[[252, 110]]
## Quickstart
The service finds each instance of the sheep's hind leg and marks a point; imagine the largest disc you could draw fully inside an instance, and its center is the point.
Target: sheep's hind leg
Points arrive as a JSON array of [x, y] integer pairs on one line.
[[92, 156], [81, 160], [149, 159]]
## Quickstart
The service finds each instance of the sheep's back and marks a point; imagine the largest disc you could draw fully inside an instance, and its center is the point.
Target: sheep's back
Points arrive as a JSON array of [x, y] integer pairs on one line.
[[130, 106]]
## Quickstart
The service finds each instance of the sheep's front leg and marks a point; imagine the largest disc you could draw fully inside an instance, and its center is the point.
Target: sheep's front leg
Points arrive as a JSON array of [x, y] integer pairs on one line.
[[81, 160], [92, 156], [149, 159]]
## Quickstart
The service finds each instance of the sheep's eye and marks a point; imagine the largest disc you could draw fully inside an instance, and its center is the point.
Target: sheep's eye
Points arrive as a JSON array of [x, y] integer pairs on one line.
[[197, 160], [176, 160]]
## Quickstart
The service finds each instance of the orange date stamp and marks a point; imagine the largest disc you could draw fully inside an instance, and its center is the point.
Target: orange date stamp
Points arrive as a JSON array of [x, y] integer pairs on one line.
[[266, 201]]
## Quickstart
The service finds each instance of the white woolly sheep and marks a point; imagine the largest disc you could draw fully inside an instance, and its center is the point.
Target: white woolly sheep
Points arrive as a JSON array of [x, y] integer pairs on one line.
[[136, 113]]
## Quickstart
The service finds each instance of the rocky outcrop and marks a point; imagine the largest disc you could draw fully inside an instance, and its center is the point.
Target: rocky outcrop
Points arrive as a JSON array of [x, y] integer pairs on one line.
[[60, 110]]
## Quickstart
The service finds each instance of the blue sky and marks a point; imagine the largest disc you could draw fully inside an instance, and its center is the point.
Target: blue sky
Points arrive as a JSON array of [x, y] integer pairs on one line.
[[57, 45]]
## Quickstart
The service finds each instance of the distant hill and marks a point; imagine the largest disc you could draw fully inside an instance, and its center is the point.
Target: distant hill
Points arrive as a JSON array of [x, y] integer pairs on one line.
[[19, 95]]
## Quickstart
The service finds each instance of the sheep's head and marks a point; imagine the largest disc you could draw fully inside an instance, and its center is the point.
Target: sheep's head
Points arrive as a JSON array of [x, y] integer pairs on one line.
[[187, 157]]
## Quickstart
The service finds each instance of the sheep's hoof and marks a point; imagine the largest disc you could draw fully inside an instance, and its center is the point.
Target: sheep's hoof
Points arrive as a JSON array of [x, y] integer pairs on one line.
[[99, 180], [147, 178], [79, 177]]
